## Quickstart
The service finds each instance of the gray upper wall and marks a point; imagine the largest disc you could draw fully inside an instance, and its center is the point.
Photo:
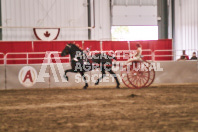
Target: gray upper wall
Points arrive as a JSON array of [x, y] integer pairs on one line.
[[73, 14]]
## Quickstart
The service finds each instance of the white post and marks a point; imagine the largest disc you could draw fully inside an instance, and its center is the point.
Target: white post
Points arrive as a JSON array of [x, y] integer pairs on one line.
[[27, 58]]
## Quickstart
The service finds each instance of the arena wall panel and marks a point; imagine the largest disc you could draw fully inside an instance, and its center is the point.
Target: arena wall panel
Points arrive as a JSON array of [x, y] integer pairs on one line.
[[115, 45], [12, 77], [107, 81], [172, 73], [75, 79], [177, 72], [2, 77], [57, 78], [15, 46]]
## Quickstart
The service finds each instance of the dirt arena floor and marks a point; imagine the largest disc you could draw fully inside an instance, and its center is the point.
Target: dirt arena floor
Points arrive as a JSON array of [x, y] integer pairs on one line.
[[153, 109]]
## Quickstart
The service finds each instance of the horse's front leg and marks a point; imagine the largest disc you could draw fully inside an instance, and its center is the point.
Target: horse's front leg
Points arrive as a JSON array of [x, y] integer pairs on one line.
[[66, 71], [103, 75], [86, 84], [115, 77]]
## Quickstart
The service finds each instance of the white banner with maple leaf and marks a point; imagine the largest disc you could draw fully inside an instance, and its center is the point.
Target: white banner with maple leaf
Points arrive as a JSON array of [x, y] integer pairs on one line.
[[46, 34]]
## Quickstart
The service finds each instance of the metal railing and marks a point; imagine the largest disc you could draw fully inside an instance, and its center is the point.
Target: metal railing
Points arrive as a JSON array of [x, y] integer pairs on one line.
[[46, 59], [15, 58], [163, 55], [56, 57], [175, 54], [123, 53], [47, 56], [2, 58]]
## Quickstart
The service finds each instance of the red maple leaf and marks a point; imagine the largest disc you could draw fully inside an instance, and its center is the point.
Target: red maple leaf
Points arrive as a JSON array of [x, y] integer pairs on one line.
[[47, 34]]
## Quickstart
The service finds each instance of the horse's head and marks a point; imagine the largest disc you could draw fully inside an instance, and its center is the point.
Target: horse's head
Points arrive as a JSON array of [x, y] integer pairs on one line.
[[70, 48], [66, 50]]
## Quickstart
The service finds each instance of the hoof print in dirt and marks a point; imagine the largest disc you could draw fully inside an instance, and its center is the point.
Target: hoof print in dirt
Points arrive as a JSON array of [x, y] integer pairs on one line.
[[132, 95]]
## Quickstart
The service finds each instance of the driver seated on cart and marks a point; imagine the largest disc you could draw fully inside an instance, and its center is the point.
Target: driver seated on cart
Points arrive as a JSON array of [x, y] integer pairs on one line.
[[137, 55]]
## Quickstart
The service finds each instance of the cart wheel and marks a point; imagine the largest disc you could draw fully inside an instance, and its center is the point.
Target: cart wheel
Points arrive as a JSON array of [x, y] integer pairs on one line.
[[152, 74], [139, 74], [124, 75]]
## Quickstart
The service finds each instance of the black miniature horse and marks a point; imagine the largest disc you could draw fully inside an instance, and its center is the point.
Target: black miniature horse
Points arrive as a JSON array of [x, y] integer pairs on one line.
[[79, 63]]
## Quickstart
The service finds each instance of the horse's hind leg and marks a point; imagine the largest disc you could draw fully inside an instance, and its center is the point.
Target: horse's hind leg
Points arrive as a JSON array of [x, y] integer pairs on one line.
[[103, 75], [86, 84], [115, 77]]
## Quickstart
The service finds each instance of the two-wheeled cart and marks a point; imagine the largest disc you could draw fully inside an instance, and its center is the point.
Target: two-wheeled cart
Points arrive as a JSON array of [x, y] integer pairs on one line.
[[138, 74]]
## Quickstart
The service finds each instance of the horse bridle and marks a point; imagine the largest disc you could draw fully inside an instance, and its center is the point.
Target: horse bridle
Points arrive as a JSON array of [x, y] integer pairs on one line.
[[69, 46]]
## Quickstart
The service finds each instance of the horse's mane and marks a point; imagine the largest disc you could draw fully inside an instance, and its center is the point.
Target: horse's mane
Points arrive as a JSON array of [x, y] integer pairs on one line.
[[76, 46]]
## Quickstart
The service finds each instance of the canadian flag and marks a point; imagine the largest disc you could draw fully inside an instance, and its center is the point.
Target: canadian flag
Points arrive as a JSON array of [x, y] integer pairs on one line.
[[46, 34]]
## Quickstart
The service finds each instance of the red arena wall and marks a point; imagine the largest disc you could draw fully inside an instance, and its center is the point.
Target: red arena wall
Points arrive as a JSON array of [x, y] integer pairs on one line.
[[17, 49]]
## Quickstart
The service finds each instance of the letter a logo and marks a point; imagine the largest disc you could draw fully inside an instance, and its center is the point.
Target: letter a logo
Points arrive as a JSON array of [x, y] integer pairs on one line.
[[27, 76]]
